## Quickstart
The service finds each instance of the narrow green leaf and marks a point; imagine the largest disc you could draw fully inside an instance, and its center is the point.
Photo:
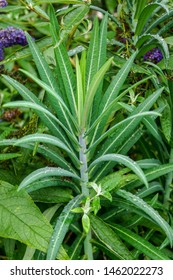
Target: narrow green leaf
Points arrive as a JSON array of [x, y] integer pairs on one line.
[[92, 90], [145, 15], [122, 160], [9, 156], [45, 172], [62, 225], [117, 139], [109, 238], [111, 93], [153, 174], [151, 212], [21, 219], [41, 109], [118, 125], [52, 195], [49, 79], [67, 75], [92, 55], [29, 96], [49, 139], [80, 93], [139, 243]]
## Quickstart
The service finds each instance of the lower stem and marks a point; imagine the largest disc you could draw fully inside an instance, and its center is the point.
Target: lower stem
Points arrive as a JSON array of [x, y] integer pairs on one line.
[[85, 191]]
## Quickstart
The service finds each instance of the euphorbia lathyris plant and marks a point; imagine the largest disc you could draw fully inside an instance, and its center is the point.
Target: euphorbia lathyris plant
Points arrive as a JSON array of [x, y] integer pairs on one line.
[[89, 146]]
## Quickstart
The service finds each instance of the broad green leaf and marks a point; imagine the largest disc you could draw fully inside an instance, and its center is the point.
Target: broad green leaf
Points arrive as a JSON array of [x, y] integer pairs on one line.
[[125, 161], [44, 173], [151, 212], [139, 243], [48, 139], [62, 225], [52, 195], [109, 238], [21, 219]]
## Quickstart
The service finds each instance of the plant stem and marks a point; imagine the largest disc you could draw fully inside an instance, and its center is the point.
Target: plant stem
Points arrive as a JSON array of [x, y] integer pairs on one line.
[[85, 190]]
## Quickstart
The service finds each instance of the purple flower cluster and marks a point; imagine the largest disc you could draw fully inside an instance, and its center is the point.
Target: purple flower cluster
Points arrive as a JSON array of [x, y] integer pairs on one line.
[[3, 3], [11, 36], [155, 55]]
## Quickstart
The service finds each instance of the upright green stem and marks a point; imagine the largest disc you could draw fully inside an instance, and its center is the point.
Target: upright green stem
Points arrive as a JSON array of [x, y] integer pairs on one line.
[[85, 190]]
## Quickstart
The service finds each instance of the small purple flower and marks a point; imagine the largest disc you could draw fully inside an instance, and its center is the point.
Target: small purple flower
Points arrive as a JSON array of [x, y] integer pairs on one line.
[[3, 3], [155, 55]]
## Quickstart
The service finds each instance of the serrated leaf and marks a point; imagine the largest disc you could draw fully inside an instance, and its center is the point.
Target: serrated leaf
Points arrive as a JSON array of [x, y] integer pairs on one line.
[[21, 219]]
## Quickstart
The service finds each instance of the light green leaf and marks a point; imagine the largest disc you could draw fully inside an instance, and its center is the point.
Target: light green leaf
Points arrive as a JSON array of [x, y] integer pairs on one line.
[[92, 90], [62, 225], [21, 219]]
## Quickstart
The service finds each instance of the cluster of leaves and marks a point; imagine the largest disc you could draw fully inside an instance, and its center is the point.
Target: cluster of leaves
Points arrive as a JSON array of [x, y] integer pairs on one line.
[[87, 163]]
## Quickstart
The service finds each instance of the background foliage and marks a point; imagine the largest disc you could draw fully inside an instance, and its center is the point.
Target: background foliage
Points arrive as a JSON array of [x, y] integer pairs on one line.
[[86, 131]]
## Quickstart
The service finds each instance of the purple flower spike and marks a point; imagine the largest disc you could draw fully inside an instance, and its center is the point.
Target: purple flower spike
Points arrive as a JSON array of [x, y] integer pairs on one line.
[[12, 36], [3, 3], [155, 55]]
